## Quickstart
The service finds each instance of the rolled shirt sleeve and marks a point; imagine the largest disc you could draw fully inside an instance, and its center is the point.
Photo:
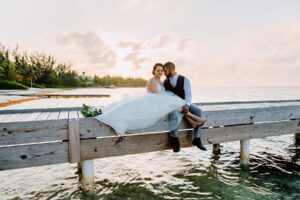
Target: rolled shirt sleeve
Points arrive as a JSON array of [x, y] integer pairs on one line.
[[187, 91]]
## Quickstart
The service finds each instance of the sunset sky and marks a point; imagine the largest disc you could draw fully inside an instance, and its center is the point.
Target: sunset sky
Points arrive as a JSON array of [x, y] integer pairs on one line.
[[213, 42]]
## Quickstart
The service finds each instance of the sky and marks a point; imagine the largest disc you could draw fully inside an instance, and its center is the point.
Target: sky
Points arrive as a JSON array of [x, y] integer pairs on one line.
[[220, 43]]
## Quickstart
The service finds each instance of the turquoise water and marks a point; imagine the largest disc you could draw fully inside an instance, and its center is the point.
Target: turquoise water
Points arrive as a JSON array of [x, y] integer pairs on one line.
[[274, 171]]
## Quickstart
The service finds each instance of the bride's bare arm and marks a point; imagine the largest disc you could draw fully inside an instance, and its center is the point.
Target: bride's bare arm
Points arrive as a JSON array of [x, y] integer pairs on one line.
[[152, 86]]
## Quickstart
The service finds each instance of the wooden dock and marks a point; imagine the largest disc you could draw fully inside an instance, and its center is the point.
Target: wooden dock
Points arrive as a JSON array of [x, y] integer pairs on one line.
[[37, 137], [50, 95]]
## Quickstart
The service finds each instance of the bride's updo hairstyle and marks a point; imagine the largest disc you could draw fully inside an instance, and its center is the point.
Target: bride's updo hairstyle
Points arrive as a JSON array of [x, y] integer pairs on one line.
[[155, 66]]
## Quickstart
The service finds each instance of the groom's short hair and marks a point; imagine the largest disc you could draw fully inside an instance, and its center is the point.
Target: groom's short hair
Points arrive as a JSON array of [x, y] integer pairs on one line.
[[169, 65]]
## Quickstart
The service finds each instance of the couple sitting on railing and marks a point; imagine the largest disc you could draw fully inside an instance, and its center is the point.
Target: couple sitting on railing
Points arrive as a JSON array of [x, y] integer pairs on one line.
[[165, 104]]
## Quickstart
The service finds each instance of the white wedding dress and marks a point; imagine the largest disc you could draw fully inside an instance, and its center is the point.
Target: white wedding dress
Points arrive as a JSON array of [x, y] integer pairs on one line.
[[142, 112]]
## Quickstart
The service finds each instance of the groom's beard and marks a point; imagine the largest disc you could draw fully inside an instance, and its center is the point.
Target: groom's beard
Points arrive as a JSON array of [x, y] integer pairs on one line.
[[168, 76]]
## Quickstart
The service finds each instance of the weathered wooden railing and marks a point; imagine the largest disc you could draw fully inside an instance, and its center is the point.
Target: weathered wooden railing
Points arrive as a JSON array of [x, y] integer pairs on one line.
[[80, 140]]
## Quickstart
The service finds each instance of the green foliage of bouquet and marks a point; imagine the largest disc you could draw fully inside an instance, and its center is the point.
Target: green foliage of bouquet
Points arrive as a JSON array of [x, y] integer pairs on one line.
[[89, 111]]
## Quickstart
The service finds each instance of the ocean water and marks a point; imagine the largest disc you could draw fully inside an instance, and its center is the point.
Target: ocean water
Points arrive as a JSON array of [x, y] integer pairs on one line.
[[274, 171]]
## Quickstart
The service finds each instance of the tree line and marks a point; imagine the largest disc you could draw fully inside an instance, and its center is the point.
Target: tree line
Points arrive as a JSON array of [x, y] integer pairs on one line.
[[42, 70]]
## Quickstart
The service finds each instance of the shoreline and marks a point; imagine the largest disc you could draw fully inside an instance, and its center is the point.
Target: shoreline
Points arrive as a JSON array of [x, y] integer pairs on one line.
[[14, 102], [15, 96]]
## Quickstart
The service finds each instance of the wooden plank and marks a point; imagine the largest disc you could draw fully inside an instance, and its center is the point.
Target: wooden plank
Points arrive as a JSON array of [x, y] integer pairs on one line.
[[43, 116], [74, 141], [14, 157], [3, 117], [141, 143], [255, 115], [34, 131], [80, 115], [53, 115], [11, 117], [39, 110], [247, 102], [61, 95], [34, 116], [243, 116], [200, 104], [237, 116], [64, 115], [23, 117], [49, 130], [244, 132], [93, 128], [74, 95], [73, 114], [90, 127]]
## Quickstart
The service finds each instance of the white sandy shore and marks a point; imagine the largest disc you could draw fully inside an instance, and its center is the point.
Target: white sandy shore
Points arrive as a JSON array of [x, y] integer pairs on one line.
[[12, 95]]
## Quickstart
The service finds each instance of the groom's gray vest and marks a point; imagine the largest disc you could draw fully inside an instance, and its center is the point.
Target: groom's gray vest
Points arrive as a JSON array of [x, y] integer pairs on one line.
[[178, 89]]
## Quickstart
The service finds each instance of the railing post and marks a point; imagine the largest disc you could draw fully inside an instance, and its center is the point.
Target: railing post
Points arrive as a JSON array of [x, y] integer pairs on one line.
[[87, 179], [86, 167], [244, 154], [74, 141]]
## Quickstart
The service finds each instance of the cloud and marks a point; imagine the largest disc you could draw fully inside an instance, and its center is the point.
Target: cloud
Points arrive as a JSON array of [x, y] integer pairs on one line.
[[163, 40], [171, 40], [184, 43], [272, 47], [130, 44], [134, 55], [162, 48], [93, 49], [262, 56], [135, 58], [149, 5]]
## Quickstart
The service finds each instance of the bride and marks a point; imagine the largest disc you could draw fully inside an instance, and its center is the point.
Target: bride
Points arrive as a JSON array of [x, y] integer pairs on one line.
[[148, 110]]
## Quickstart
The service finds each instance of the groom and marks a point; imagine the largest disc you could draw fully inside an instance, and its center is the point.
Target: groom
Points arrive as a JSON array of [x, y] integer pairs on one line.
[[180, 86]]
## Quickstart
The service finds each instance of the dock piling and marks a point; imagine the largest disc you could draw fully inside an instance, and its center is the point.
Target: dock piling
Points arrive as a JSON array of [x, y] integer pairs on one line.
[[297, 138], [87, 179], [216, 149], [244, 154]]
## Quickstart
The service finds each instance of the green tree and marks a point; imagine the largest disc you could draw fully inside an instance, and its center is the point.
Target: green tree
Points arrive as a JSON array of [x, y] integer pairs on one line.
[[44, 68], [7, 68]]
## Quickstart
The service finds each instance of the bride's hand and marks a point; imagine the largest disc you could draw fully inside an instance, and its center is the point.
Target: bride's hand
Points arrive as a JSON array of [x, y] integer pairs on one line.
[[185, 109]]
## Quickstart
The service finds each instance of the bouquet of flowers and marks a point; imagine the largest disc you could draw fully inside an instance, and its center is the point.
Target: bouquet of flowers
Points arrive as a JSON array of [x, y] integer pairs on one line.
[[90, 111]]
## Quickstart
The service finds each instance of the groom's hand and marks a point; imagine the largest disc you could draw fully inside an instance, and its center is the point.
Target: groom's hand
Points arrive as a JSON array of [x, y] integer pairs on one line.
[[185, 109]]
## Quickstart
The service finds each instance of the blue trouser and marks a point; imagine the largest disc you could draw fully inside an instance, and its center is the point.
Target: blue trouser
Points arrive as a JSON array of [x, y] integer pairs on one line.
[[194, 109]]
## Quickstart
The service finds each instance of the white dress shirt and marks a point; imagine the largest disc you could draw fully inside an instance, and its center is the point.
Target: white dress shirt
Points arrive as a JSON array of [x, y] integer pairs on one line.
[[186, 86]]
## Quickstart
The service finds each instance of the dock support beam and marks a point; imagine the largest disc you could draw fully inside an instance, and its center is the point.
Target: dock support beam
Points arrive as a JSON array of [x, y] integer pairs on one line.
[[297, 138], [79, 168], [216, 149], [87, 179], [244, 144]]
